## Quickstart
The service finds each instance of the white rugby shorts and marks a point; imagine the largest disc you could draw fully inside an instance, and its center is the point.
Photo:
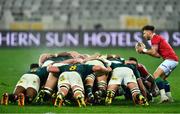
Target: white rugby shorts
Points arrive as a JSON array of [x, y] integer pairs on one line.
[[29, 80], [122, 76], [168, 66]]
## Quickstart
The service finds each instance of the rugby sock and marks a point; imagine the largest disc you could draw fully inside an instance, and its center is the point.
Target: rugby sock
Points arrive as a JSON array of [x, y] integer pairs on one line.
[[64, 88], [166, 86], [135, 91], [88, 89], [47, 93], [159, 83], [102, 85], [78, 93], [168, 91]]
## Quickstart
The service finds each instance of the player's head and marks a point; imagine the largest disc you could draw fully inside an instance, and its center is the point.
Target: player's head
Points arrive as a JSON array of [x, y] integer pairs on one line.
[[113, 57], [34, 65], [148, 31], [133, 60]]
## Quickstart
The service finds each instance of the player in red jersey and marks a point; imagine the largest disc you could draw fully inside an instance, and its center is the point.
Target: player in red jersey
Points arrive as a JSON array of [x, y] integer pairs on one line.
[[160, 48]]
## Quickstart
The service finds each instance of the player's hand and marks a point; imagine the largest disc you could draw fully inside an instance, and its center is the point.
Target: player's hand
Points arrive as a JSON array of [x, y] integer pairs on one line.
[[139, 47]]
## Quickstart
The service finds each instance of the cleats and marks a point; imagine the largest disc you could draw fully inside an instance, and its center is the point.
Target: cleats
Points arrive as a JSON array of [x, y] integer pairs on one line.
[[80, 101], [141, 100], [40, 97], [90, 98], [98, 97], [21, 99], [164, 99], [59, 101], [109, 98], [5, 99]]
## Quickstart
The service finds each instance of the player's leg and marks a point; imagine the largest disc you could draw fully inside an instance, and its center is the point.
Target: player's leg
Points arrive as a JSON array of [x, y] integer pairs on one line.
[[168, 91], [114, 83], [160, 83], [164, 69], [32, 88], [89, 82], [101, 86], [111, 90], [20, 88], [63, 89], [130, 81], [138, 98], [46, 92], [77, 88]]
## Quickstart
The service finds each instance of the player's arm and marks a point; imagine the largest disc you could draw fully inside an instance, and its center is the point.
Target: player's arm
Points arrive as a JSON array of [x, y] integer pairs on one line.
[[152, 52], [62, 54], [141, 87], [100, 69], [43, 57], [53, 69]]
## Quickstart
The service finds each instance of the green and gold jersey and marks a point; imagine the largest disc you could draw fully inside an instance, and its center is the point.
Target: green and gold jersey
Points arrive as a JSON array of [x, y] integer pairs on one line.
[[82, 69]]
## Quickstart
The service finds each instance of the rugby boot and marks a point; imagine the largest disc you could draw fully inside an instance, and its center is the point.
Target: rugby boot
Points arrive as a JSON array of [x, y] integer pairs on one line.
[[141, 100], [109, 97], [21, 99], [80, 101], [59, 100], [5, 99]]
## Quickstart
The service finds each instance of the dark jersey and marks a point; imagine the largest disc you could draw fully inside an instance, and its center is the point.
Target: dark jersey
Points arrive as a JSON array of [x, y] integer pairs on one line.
[[82, 69], [131, 66], [41, 72]]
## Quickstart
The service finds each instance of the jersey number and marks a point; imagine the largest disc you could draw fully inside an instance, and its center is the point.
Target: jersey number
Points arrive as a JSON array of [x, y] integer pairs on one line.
[[73, 67]]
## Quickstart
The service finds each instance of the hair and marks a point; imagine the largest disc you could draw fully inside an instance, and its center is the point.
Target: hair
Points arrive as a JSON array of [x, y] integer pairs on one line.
[[149, 27], [133, 59], [34, 65]]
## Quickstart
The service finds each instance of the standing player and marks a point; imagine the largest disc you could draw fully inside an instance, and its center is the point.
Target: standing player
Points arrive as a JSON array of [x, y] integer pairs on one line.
[[160, 48]]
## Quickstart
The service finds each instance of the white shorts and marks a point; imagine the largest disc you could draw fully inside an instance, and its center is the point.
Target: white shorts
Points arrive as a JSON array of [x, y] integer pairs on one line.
[[122, 76], [29, 80], [70, 78], [168, 66]]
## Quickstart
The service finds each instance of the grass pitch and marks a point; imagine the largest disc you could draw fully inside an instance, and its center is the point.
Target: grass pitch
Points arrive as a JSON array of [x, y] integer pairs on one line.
[[15, 62]]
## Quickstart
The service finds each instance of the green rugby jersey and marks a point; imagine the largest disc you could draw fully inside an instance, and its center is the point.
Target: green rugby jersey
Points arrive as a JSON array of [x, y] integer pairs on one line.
[[82, 69]]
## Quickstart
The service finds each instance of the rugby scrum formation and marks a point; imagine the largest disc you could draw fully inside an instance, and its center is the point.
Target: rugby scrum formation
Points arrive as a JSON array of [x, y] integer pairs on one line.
[[83, 79]]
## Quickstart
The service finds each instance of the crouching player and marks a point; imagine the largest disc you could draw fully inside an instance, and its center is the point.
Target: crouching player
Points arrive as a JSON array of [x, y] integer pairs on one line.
[[146, 77], [27, 87], [123, 74], [72, 77]]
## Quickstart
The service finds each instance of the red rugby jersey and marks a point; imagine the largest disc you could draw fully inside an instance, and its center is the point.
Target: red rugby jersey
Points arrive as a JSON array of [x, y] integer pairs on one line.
[[164, 49]]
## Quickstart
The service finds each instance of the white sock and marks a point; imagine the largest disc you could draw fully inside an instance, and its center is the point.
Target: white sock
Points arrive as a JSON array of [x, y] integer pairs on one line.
[[162, 92]]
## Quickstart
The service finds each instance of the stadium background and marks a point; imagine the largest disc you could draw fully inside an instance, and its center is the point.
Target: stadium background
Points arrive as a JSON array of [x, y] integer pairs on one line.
[[31, 27]]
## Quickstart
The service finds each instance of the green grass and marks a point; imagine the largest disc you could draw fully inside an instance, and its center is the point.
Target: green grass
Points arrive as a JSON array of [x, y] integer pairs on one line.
[[14, 62]]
